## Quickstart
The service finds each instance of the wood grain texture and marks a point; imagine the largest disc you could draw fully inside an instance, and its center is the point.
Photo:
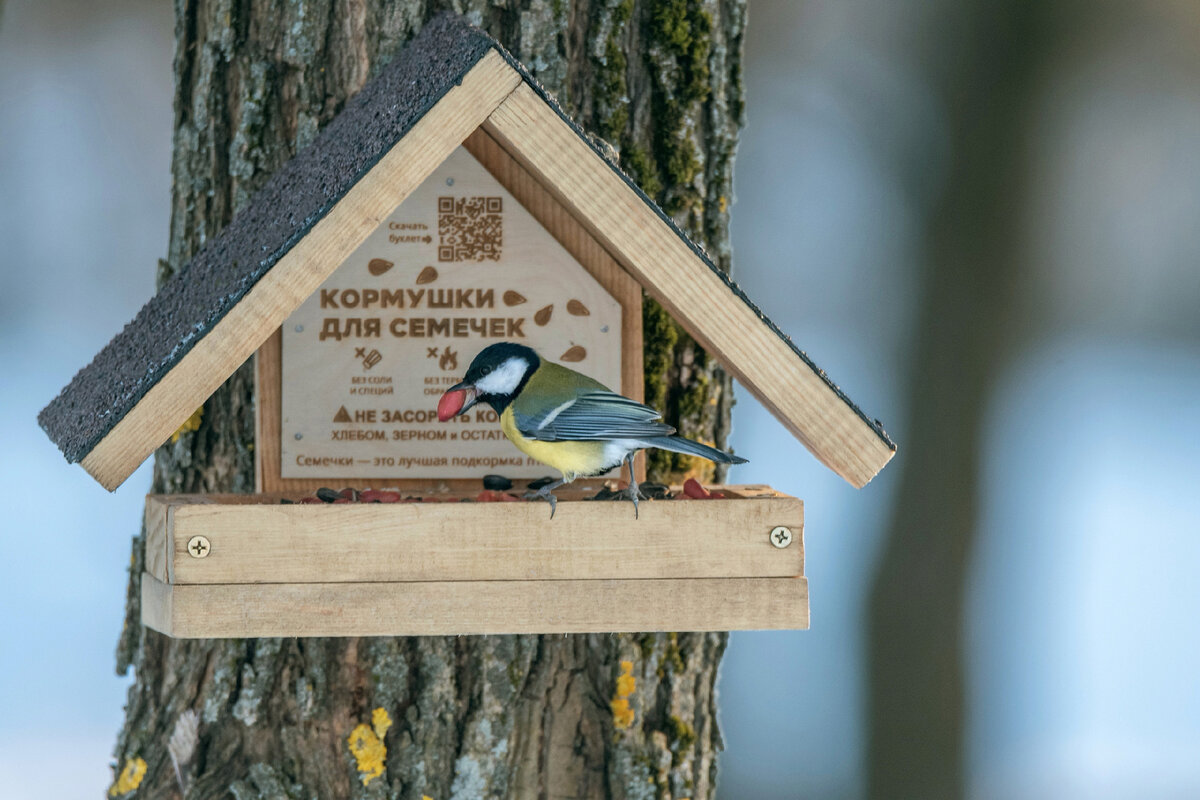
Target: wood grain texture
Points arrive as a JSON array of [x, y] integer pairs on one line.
[[268, 417], [298, 274], [372, 542], [698, 299], [156, 529], [473, 607], [157, 606]]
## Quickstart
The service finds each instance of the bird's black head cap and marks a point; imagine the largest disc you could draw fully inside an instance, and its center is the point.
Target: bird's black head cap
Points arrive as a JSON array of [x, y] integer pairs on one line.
[[500, 371]]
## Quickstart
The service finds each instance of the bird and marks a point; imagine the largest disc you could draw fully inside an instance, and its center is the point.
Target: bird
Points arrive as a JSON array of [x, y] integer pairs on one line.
[[565, 419]]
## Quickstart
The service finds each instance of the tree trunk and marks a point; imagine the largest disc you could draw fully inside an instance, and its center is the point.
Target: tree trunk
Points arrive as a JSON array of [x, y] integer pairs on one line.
[[462, 717], [966, 320]]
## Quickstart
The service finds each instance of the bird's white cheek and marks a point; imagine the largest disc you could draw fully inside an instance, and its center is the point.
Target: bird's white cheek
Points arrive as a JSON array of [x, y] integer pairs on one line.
[[505, 378]]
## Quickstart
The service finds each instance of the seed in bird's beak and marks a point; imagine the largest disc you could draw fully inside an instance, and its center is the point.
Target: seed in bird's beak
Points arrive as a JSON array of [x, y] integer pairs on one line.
[[453, 403]]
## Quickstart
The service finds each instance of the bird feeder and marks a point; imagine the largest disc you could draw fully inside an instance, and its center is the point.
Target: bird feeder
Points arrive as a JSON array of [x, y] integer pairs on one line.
[[451, 204]]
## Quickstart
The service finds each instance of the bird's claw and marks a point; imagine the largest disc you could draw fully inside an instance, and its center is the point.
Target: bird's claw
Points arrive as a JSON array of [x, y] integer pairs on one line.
[[632, 493], [544, 494]]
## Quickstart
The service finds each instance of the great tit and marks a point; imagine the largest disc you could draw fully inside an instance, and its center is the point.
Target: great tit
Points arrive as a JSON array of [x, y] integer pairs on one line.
[[565, 419]]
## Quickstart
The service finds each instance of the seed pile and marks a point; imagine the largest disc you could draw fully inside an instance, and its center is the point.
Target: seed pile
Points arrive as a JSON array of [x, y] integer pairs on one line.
[[692, 490], [333, 496], [495, 490]]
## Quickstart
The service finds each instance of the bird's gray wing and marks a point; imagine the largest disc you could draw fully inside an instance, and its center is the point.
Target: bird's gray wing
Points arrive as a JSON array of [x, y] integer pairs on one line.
[[594, 416]]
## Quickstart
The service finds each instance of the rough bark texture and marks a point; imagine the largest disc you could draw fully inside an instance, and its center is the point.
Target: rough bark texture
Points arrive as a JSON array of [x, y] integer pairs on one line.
[[966, 320], [467, 717]]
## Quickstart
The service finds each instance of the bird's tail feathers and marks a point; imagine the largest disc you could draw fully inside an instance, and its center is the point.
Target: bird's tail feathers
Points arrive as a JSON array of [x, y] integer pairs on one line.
[[678, 444]]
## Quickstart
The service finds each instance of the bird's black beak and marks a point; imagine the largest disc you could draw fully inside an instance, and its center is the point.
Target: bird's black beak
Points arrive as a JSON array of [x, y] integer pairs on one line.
[[472, 395]]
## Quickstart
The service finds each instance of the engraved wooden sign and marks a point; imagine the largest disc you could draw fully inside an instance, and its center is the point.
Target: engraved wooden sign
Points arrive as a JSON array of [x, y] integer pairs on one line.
[[459, 265]]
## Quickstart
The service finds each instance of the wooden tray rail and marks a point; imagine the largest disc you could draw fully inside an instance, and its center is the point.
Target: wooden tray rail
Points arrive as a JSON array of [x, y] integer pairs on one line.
[[249, 565]]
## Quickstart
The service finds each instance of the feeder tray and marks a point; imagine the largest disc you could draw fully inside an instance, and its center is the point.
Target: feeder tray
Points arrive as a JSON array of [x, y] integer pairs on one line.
[[247, 565], [450, 205]]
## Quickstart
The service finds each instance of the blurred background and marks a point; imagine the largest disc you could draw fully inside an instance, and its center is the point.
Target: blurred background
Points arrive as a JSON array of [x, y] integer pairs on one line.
[[983, 219]]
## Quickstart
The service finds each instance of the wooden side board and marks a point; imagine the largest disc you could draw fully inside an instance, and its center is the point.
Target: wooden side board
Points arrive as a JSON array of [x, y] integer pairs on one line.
[[300, 272], [473, 607], [702, 303], [462, 542]]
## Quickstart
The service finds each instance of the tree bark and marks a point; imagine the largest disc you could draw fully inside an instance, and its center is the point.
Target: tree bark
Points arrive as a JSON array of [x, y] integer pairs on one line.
[[466, 717], [987, 81]]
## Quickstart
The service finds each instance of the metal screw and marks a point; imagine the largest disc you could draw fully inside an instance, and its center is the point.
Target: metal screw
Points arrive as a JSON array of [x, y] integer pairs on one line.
[[198, 547], [781, 537], [299, 436], [449, 181], [299, 329]]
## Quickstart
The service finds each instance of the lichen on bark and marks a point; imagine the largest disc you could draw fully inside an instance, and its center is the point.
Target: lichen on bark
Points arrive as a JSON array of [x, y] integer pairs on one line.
[[468, 717]]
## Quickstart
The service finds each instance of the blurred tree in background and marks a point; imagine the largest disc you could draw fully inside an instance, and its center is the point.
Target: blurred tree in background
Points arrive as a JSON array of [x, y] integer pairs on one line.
[[987, 81]]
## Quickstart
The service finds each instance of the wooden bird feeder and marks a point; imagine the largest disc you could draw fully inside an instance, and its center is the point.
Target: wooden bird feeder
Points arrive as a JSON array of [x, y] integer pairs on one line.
[[451, 204]]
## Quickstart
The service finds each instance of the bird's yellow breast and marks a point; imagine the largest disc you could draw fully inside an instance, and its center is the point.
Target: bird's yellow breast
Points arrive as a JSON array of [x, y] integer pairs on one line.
[[572, 459]]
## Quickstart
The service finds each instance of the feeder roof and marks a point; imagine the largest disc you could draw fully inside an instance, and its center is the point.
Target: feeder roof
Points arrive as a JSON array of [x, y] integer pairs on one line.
[[451, 79]]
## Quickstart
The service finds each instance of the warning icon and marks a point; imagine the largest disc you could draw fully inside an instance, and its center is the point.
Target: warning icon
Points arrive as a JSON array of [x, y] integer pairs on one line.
[[342, 415]]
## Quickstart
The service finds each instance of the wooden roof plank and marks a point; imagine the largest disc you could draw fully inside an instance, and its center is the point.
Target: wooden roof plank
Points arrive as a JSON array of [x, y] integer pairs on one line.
[[692, 289]]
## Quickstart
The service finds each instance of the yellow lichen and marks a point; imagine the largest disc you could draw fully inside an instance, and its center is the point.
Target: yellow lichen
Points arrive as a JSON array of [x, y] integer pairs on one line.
[[130, 777], [380, 721], [367, 747], [626, 684], [622, 713], [189, 425]]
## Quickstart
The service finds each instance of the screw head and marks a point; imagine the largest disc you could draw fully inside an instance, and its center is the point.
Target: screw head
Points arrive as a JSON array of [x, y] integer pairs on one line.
[[781, 537], [199, 547]]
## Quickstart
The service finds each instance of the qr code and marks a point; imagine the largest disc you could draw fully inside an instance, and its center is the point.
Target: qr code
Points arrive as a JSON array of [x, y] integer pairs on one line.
[[469, 228]]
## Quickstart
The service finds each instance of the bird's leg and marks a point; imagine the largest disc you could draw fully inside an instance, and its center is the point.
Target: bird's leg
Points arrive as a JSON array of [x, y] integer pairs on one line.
[[544, 494], [633, 492]]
